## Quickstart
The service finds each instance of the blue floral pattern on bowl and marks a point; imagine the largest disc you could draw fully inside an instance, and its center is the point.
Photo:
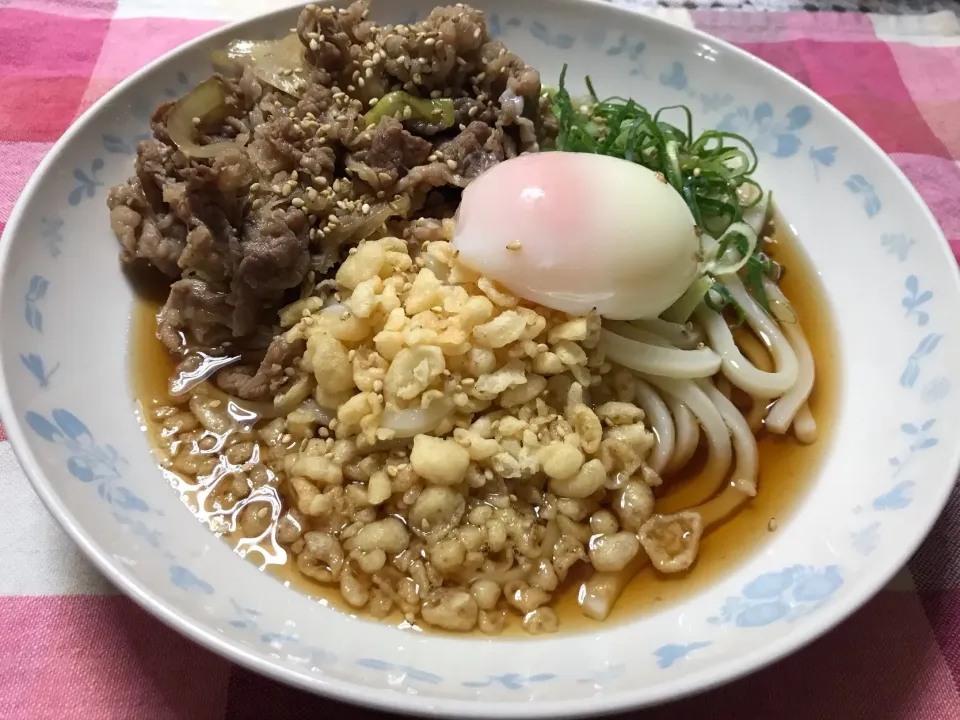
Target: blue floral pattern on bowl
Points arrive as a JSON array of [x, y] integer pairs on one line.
[[788, 129]]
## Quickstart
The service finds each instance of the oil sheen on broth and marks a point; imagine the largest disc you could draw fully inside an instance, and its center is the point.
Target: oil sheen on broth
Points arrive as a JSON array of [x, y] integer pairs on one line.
[[787, 468]]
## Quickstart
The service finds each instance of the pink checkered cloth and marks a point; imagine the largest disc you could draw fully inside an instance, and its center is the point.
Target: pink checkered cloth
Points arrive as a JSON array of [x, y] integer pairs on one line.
[[71, 647]]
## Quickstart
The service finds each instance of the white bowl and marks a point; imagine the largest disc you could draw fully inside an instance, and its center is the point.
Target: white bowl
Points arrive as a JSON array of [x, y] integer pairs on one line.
[[892, 285]]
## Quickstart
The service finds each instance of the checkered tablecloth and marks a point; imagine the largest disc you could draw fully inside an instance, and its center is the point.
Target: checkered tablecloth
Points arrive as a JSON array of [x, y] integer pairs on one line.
[[71, 647]]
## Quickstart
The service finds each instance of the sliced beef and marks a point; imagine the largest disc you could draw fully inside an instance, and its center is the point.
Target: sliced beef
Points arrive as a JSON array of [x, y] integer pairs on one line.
[[259, 383], [242, 233], [195, 314], [275, 257]]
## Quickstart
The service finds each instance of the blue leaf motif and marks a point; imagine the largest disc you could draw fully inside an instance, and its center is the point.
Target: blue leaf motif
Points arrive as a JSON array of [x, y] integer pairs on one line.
[[815, 587], [127, 500], [76, 195], [897, 244], [911, 371], [762, 614], [787, 145], [895, 499], [859, 185], [798, 117], [186, 580], [594, 36], [619, 47], [825, 156], [909, 429], [34, 364], [675, 77], [114, 144], [762, 113], [80, 469], [669, 654], [540, 32], [865, 541], [71, 425], [43, 427], [769, 585], [936, 390], [97, 165]]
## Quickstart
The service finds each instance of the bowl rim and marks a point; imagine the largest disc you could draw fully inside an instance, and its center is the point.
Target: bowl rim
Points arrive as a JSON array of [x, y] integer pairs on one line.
[[344, 690]]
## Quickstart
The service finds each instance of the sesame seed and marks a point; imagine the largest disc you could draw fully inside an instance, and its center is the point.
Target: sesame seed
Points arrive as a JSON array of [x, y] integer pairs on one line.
[[275, 189], [376, 58], [294, 176], [515, 245], [255, 187], [351, 88], [297, 202], [365, 209], [369, 72], [286, 189], [452, 164], [432, 158], [696, 172], [361, 83], [661, 177], [476, 33], [314, 45], [429, 41]]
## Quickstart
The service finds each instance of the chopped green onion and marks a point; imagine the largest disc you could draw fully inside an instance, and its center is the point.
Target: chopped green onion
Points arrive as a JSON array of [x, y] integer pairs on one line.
[[683, 308], [435, 111]]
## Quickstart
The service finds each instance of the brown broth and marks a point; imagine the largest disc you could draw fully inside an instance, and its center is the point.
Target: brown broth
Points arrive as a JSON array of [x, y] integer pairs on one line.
[[787, 468]]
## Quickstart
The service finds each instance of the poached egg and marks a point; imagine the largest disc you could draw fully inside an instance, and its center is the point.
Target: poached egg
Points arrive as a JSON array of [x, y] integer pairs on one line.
[[577, 232]]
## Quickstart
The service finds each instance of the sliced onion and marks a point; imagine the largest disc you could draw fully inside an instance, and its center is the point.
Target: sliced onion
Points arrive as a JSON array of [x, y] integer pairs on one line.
[[415, 421], [279, 63], [732, 259], [206, 103], [359, 227]]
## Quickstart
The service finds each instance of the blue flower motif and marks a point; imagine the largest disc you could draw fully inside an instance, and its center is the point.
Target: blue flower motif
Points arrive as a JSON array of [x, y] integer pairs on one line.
[[921, 438], [87, 461], [36, 291], [858, 185], [669, 654], [410, 672], [778, 137], [782, 595], [50, 227], [894, 499], [558, 40], [865, 541], [34, 364], [926, 347], [186, 580], [935, 390], [675, 77], [87, 184], [510, 681], [594, 36], [116, 144], [822, 157], [139, 529], [497, 28], [897, 244], [714, 102], [915, 299]]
